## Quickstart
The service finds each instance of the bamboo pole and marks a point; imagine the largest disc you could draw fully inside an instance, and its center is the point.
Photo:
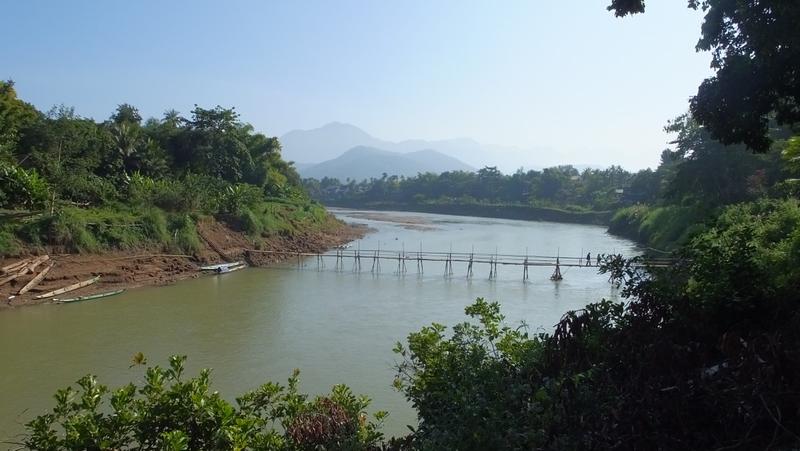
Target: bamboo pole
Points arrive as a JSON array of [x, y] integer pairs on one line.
[[34, 264], [30, 267], [15, 266], [35, 281]]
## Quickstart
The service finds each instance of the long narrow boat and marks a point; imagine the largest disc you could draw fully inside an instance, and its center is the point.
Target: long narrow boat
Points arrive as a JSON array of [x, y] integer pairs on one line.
[[220, 266], [231, 268], [68, 288], [90, 297]]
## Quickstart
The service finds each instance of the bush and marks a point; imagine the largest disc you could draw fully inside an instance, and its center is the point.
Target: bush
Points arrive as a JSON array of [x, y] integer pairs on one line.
[[9, 245], [185, 237], [666, 227], [172, 413], [235, 198], [86, 189], [191, 193], [249, 222], [154, 225], [68, 228], [20, 188]]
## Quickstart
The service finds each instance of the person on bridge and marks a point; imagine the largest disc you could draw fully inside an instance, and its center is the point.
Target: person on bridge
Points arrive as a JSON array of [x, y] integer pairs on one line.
[[598, 259], [589, 259]]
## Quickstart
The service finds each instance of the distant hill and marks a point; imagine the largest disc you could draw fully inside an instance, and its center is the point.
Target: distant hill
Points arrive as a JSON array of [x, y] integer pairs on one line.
[[326, 142], [332, 140], [309, 148], [363, 162]]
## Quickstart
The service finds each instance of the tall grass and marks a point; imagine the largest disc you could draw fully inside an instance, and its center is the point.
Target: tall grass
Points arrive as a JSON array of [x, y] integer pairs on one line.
[[9, 245], [184, 234]]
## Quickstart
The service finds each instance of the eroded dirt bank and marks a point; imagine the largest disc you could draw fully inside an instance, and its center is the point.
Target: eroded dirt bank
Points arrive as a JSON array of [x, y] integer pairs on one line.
[[145, 267]]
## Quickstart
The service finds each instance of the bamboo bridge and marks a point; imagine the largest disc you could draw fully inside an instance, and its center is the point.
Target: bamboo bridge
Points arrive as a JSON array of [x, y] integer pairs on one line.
[[360, 260]]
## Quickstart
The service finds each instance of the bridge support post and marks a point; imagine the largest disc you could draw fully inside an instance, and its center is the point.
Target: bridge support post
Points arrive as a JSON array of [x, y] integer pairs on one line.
[[525, 270]]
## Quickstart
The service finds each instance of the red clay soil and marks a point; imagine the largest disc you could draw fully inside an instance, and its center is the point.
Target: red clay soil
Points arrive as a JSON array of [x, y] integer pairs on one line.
[[145, 267]]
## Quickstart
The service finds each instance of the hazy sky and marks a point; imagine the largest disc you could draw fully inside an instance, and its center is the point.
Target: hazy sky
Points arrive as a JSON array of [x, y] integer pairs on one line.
[[563, 78]]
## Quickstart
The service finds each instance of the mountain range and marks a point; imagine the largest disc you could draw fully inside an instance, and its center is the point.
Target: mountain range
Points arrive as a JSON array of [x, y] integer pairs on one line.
[[363, 162], [345, 151]]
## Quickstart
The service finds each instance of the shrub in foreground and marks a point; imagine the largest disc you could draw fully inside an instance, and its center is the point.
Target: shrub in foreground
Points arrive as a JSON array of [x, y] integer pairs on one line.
[[171, 412]]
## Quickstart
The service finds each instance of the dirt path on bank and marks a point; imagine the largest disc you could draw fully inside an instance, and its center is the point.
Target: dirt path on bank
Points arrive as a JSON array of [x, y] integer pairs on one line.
[[147, 267]]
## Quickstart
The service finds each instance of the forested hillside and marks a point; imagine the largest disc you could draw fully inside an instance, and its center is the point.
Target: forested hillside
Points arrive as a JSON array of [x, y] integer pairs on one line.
[[82, 185]]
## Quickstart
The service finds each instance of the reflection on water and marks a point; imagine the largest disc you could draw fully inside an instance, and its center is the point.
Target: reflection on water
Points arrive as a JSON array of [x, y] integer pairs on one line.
[[259, 324]]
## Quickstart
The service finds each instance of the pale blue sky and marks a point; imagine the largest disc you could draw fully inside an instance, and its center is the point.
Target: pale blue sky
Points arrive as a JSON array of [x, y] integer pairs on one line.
[[564, 79]]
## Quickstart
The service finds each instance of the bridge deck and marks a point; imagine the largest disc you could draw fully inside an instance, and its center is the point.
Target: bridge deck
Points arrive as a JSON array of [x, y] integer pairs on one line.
[[458, 257]]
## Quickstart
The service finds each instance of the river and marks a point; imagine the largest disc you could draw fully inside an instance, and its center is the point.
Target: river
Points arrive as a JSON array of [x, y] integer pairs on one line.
[[336, 327]]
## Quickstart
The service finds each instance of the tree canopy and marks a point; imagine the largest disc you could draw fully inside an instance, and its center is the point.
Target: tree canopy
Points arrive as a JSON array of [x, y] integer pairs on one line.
[[756, 56]]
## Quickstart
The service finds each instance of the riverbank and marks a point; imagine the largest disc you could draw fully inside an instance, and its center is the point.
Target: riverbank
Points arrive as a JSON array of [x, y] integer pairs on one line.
[[521, 212], [150, 266]]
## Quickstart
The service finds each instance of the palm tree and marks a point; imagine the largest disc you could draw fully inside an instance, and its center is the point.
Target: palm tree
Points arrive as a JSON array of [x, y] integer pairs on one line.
[[127, 141]]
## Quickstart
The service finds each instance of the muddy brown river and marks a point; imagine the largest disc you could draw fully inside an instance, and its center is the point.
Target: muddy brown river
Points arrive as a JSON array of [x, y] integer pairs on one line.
[[259, 324]]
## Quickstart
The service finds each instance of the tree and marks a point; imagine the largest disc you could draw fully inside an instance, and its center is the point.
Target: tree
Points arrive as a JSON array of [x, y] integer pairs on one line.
[[126, 114], [213, 143], [15, 117], [711, 173], [756, 56], [126, 142]]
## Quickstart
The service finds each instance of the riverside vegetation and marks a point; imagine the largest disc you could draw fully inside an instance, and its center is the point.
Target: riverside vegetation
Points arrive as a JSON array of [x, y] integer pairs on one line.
[[125, 183], [559, 193], [701, 355]]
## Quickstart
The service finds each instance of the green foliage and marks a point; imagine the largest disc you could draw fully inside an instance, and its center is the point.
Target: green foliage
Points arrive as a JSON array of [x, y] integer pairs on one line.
[[755, 58], [67, 228], [249, 222], [154, 225], [751, 253], [87, 189], [791, 154], [20, 188], [172, 412], [9, 244], [464, 388], [130, 175], [239, 196], [702, 355], [15, 117], [666, 227], [185, 238], [698, 178], [561, 187]]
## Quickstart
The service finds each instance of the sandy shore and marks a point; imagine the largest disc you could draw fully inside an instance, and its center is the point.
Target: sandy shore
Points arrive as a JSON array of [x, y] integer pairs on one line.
[[147, 267], [408, 222]]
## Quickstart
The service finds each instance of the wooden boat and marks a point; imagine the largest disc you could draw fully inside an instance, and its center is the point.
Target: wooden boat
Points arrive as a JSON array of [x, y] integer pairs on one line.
[[68, 288], [232, 268], [89, 297], [220, 266]]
